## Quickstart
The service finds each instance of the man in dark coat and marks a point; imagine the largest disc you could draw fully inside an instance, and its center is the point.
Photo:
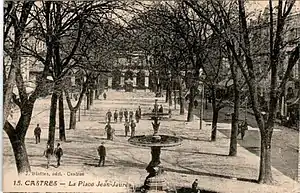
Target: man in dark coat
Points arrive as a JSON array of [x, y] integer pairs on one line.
[[140, 110], [195, 186], [104, 96], [58, 152], [102, 153], [161, 109], [126, 115], [37, 134], [108, 130], [121, 115], [116, 116], [108, 116], [47, 154], [127, 125], [137, 115], [130, 115]]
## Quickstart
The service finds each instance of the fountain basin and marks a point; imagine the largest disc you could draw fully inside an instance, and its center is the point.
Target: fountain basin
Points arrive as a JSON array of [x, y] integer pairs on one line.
[[155, 140]]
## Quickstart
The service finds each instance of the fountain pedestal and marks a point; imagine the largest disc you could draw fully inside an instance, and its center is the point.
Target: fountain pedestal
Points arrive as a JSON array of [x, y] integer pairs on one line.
[[155, 180]]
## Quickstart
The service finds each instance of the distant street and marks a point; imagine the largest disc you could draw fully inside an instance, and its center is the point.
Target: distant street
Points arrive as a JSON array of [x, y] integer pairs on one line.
[[284, 142]]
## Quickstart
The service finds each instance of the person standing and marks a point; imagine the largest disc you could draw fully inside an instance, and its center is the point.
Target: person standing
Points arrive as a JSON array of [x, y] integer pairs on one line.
[[132, 125], [58, 152], [195, 186], [37, 134], [102, 153], [104, 96], [47, 154], [112, 134], [121, 115], [161, 109], [126, 115], [108, 116], [108, 131], [127, 125], [137, 115], [130, 116], [140, 111], [116, 116]]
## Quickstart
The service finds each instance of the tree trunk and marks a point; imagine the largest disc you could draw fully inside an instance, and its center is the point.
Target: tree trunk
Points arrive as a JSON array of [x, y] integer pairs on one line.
[[62, 128], [191, 105], [72, 119], [235, 115], [170, 95], [88, 100], [96, 94], [20, 153], [181, 100], [265, 172], [52, 121], [19, 149], [167, 94], [175, 99], [214, 124], [91, 97], [233, 136]]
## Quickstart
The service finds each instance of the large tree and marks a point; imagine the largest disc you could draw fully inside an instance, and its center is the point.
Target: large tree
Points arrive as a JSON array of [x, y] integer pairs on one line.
[[16, 32], [275, 27]]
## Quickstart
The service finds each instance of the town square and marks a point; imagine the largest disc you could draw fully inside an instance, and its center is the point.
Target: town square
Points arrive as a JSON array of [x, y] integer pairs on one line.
[[151, 96]]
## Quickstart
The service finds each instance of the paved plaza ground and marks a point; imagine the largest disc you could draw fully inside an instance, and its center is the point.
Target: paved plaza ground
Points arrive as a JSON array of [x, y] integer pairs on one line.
[[285, 141], [197, 157]]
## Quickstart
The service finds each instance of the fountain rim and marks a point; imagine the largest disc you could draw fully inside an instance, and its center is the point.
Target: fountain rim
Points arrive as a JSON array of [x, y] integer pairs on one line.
[[155, 145]]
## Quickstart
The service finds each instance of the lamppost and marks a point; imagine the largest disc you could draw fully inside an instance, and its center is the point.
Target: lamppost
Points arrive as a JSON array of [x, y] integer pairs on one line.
[[201, 100]]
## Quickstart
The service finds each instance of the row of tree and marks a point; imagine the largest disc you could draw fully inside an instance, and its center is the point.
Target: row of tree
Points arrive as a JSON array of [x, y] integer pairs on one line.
[[64, 39], [187, 42], [215, 43]]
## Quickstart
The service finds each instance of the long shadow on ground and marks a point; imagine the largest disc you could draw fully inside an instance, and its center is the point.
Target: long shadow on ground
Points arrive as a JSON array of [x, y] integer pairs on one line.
[[184, 170]]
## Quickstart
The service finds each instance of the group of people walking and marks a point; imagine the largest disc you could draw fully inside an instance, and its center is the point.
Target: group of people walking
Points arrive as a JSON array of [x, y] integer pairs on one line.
[[129, 126], [48, 153], [58, 153], [128, 115], [129, 123]]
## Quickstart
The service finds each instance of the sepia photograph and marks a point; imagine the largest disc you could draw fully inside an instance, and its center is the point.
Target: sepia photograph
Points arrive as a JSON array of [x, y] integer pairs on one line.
[[151, 96]]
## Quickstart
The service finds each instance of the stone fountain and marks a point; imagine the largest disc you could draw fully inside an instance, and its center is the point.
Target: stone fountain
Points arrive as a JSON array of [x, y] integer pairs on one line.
[[155, 181]]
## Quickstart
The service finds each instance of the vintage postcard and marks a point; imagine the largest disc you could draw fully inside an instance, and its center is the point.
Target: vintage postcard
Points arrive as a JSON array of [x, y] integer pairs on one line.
[[151, 96]]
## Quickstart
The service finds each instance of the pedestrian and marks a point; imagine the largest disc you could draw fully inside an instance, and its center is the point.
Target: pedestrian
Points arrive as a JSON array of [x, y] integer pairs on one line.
[[132, 125], [121, 115], [130, 115], [104, 96], [112, 134], [140, 112], [108, 131], [37, 134], [126, 115], [195, 186], [137, 115], [161, 109], [47, 154], [242, 128], [102, 153], [195, 103], [116, 116], [58, 152], [127, 125], [108, 116]]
